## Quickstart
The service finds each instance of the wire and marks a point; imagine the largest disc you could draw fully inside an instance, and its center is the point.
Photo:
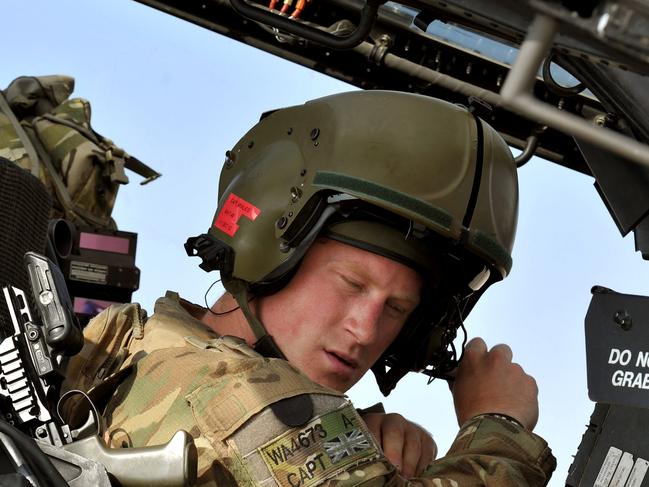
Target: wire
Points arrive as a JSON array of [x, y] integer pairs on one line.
[[298, 9], [459, 313], [209, 308], [92, 406]]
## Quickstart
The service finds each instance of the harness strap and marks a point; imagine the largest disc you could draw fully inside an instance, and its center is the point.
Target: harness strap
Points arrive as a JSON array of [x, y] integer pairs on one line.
[[131, 163], [69, 207], [24, 138], [264, 343]]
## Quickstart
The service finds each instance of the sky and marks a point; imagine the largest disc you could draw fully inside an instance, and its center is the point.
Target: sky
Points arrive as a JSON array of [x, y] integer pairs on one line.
[[177, 97]]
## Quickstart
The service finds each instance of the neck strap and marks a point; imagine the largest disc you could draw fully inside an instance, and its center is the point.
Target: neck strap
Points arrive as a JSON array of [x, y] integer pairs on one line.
[[264, 344]]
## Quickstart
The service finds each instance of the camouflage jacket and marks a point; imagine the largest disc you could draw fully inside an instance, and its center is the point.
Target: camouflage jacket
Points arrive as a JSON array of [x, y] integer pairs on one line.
[[240, 408]]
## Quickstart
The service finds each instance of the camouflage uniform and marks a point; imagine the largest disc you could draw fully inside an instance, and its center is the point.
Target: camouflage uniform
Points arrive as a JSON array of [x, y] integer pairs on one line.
[[184, 376]]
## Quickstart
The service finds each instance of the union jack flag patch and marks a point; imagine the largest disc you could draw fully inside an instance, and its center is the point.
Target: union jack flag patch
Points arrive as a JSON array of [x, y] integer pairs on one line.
[[345, 445]]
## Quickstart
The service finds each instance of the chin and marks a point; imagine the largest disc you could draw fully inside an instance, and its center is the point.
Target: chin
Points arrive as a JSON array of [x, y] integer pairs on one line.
[[333, 383]]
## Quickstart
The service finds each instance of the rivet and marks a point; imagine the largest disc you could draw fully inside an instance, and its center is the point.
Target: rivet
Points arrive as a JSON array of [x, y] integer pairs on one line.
[[623, 319], [302, 172], [250, 144], [281, 223], [315, 133], [284, 247], [600, 120], [289, 131]]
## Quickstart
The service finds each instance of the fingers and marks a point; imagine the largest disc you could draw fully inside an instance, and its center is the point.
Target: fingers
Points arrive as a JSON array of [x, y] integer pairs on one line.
[[502, 351], [476, 345], [412, 451], [393, 441], [408, 446], [487, 381], [427, 455]]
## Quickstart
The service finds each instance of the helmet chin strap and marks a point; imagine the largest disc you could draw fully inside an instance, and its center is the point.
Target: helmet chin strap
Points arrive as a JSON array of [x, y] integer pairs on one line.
[[264, 343]]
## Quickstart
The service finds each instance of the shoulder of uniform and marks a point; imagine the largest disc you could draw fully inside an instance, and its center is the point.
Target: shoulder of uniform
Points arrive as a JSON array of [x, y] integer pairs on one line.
[[230, 382]]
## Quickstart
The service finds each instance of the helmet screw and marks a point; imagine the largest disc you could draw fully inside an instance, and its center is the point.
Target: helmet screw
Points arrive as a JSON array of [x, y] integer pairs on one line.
[[229, 160], [250, 144], [315, 133], [281, 223], [623, 319], [296, 194], [32, 333], [302, 172], [289, 131], [284, 247]]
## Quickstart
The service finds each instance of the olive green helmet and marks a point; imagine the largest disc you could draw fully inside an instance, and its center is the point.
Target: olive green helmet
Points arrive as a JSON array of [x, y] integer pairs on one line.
[[444, 180]]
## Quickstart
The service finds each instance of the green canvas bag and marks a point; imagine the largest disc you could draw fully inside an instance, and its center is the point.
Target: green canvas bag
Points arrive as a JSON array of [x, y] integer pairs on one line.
[[48, 134]]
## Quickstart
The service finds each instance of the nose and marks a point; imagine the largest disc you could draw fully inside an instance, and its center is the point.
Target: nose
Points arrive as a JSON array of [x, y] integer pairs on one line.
[[363, 320]]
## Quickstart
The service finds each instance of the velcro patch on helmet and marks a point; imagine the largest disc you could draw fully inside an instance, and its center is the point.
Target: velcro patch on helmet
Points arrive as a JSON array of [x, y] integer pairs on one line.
[[234, 208]]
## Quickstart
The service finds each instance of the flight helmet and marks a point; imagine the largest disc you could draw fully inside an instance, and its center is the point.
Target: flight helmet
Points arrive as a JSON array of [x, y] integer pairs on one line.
[[407, 176]]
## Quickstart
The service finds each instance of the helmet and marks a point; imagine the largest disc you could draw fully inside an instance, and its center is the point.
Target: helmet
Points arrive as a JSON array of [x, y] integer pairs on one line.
[[407, 176]]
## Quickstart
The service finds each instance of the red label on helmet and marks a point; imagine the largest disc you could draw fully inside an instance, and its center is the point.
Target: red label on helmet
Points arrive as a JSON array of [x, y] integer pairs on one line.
[[233, 209]]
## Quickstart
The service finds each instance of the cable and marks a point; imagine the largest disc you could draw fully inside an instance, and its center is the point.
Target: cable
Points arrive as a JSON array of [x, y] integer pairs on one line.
[[41, 466], [209, 308]]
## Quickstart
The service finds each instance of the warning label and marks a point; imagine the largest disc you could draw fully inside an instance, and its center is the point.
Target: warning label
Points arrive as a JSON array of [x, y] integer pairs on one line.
[[619, 469], [87, 272], [628, 378]]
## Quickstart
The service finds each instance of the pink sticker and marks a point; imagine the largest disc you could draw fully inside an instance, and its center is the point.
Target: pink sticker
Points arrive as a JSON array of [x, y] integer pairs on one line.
[[105, 243], [233, 209]]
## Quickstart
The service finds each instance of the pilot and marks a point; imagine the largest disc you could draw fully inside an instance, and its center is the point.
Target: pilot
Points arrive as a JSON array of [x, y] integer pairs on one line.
[[352, 233]]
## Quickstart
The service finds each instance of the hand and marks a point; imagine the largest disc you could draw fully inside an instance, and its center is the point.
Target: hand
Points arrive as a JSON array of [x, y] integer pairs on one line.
[[488, 382], [407, 445]]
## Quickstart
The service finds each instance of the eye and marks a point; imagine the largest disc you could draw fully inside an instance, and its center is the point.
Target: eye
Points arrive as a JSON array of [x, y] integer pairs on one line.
[[396, 309], [351, 283]]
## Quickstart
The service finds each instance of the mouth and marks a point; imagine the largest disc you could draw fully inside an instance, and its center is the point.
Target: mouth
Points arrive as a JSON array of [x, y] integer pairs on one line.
[[342, 361]]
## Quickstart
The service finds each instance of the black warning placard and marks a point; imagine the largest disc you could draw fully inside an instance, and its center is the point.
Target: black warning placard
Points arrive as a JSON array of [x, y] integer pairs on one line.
[[617, 348]]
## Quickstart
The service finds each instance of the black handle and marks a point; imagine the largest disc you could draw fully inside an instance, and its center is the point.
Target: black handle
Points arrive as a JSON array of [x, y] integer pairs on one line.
[[309, 33]]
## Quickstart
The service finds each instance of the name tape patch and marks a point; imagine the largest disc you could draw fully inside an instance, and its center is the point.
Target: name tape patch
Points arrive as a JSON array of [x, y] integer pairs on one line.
[[234, 208], [327, 445]]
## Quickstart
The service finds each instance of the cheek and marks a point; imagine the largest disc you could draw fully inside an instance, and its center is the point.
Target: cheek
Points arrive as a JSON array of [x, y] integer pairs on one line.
[[390, 331]]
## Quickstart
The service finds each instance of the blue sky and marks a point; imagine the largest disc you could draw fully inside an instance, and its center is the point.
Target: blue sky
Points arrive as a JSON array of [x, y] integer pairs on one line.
[[178, 96]]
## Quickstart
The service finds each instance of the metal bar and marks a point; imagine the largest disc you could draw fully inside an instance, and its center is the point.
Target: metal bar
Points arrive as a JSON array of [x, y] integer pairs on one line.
[[418, 71], [517, 97], [515, 94], [533, 51]]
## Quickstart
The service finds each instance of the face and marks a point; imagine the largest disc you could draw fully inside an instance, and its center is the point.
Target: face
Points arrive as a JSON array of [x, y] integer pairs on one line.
[[340, 311]]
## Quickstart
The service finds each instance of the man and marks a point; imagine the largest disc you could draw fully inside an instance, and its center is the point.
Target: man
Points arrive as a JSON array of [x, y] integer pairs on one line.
[[353, 232]]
